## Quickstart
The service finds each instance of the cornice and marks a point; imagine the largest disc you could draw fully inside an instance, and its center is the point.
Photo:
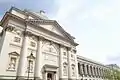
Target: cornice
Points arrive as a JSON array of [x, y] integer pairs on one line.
[[89, 60], [52, 33]]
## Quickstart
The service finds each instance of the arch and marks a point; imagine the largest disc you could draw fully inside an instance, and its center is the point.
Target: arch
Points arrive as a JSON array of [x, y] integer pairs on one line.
[[49, 47]]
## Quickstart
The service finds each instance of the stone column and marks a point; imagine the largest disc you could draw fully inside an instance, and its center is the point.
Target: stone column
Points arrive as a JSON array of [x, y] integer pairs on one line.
[[89, 70], [93, 71], [96, 71], [61, 62], [99, 71], [81, 69], [76, 66], [38, 61], [85, 67], [69, 64], [23, 58]]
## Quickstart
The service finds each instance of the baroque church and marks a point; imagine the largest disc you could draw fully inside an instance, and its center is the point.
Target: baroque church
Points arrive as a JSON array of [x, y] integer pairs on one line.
[[33, 47]]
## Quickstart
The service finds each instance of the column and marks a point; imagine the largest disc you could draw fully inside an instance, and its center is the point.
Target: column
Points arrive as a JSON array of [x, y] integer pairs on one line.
[[93, 70], [99, 71], [76, 66], [96, 71], [89, 70], [38, 61], [61, 62], [81, 68], [23, 58], [85, 67], [69, 64]]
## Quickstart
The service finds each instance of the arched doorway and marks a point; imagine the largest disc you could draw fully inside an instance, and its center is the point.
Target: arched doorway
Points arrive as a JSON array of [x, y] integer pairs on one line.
[[49, 76]]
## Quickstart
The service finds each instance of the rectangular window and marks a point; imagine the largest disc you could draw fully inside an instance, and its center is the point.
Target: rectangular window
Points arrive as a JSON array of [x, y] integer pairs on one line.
[[17, 39], [32, 44], [64, 53]]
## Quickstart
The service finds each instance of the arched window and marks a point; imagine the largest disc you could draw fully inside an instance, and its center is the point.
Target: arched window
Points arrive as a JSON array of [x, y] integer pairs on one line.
[[49, 47]]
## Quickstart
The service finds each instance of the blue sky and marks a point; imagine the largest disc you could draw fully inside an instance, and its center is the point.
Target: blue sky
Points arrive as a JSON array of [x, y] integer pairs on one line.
[[94, 23]]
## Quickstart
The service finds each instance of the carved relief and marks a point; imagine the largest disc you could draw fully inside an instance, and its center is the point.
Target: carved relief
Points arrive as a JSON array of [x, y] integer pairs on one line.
[[17, 39], [49, 47], [31, 61]]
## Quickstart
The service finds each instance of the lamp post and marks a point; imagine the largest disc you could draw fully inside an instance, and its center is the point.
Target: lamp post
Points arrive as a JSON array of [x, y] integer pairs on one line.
[[28, 69]]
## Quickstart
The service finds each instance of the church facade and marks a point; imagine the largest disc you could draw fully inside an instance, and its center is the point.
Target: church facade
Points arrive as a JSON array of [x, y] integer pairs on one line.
[[34, 47]]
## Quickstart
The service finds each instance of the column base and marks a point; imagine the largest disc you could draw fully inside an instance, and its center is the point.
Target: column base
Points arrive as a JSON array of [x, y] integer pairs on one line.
[[20, 78], [37, 78]]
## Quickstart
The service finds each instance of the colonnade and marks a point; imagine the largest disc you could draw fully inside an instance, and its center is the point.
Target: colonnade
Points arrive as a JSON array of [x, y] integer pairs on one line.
[[89, 70]]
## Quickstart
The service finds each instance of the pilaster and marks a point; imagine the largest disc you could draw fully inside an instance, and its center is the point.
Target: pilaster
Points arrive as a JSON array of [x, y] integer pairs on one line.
[[76, 66], [61, 63], [69, 64]]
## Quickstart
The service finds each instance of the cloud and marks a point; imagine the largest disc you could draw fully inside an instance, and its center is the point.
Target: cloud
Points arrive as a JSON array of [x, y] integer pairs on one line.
[[114, 59], [94, 23], [7, 1]]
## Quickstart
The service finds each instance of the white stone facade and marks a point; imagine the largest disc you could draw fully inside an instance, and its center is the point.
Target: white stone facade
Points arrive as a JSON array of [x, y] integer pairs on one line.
[[34, 47]]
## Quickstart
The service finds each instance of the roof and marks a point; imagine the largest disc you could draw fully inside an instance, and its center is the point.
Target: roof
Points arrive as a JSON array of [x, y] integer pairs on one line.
[[90, 60]]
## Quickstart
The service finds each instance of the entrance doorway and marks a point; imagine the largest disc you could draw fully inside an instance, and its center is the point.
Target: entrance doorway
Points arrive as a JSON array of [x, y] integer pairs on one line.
[[49, 76]]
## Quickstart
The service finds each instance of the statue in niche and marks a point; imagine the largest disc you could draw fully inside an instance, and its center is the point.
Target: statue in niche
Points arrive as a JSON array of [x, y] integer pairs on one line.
[[12, 64]]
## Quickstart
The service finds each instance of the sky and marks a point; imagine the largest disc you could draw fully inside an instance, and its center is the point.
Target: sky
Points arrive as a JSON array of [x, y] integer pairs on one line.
[[94, 23]]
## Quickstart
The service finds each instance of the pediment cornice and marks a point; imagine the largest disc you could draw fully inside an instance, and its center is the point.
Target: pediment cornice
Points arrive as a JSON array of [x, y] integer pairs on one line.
[[53, 22]]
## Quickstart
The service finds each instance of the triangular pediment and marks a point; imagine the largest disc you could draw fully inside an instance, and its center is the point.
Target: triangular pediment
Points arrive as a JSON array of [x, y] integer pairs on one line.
[[54, 27], [14, 53]]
